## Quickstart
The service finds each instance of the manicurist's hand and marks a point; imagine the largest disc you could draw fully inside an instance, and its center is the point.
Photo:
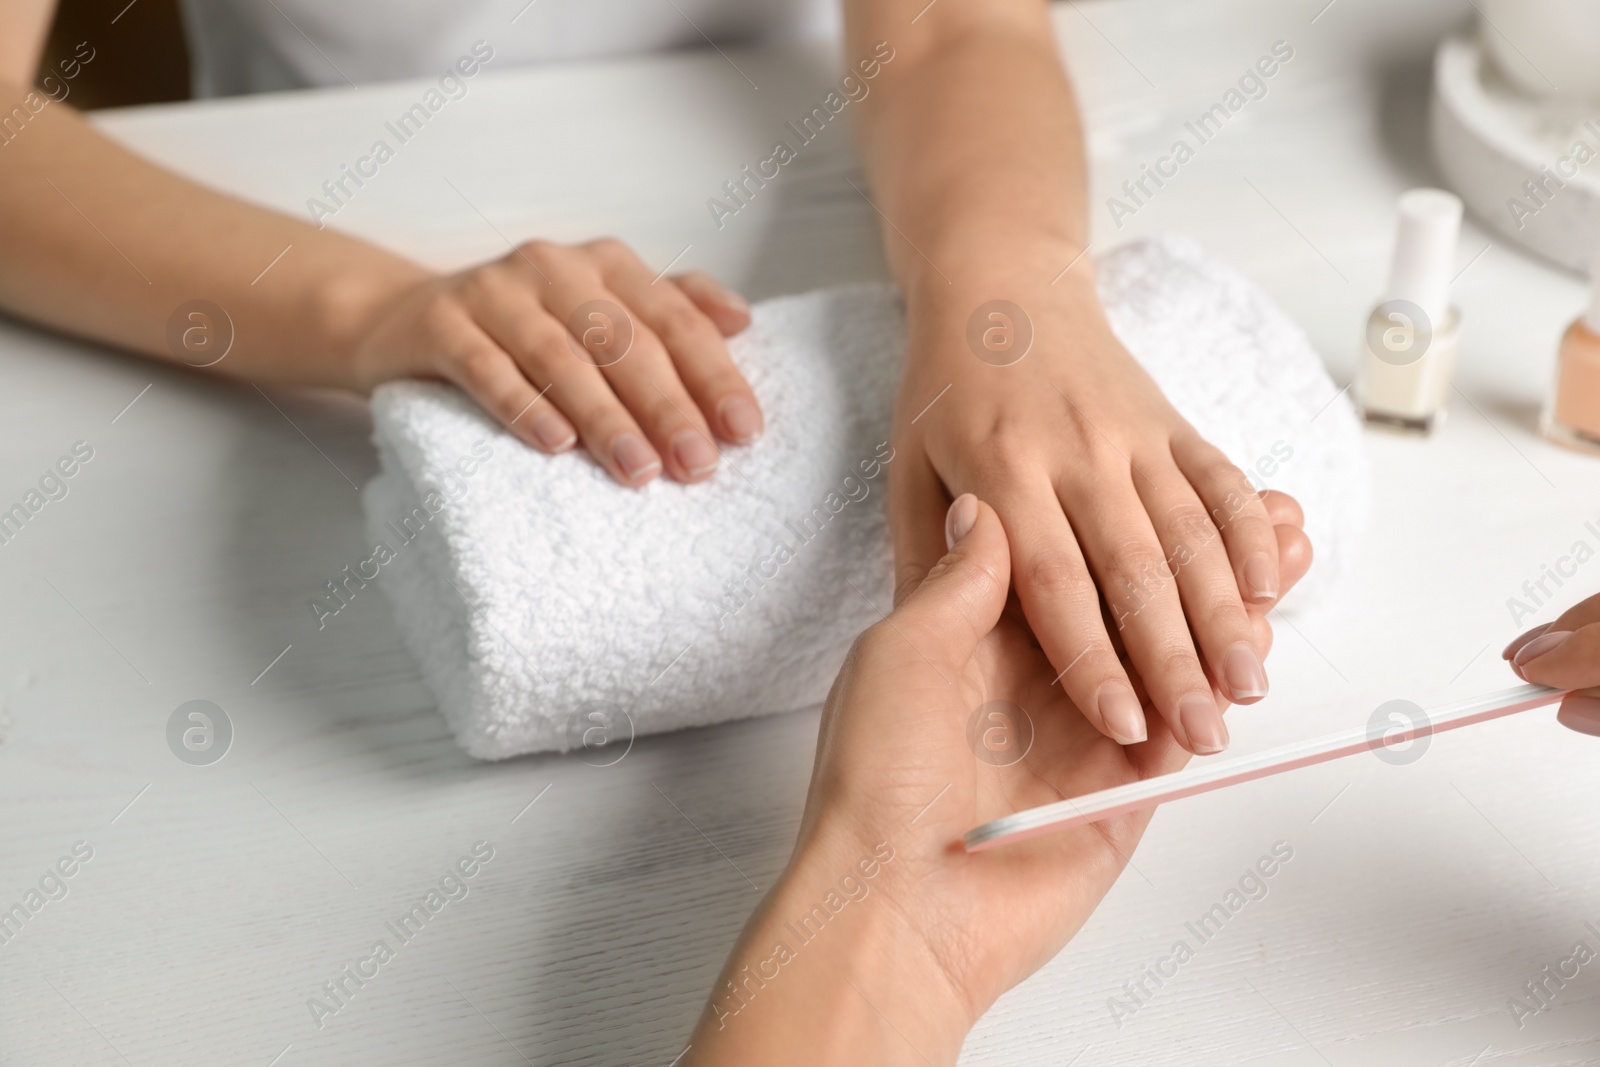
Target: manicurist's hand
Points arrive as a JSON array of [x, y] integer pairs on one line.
[[884, 941], [569, 343], [1565, 654]]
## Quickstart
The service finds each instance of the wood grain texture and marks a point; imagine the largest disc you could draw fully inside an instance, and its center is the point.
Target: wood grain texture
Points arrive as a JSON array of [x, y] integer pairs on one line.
[[1419, 898]]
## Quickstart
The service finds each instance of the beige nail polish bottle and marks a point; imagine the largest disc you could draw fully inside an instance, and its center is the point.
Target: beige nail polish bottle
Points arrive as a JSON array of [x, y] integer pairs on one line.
[[1572, 412], [1409, 345]]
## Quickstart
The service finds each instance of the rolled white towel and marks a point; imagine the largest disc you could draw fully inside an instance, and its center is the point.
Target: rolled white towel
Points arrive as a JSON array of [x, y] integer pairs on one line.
[[543, 601]]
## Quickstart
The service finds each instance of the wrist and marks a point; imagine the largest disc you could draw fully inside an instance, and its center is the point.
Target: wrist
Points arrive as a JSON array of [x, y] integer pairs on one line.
[[832, 969], [347, 307]]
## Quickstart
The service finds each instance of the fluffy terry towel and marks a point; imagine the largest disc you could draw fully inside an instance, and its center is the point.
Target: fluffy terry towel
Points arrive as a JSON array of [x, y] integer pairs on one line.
[[544, 602]]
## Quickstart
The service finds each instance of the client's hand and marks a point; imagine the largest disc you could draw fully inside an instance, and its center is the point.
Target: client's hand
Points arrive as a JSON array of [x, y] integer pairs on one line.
[[564, 342], [1110, 498], [884, 941], [1566, 654]]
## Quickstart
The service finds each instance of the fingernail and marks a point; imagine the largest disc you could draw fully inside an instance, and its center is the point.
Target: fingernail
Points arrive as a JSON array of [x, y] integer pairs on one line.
[[735, 300], [1581, 713], [551, 431], [1246, 677], [1120, 711], [742, 418], [637, 459], [1546, 642], [960, 519], [1203, 723], [1522, 639], [693, 452], [1261, 576]]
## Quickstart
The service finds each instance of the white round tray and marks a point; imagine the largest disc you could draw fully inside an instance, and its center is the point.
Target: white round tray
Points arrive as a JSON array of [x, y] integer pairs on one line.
[[1490, 138]]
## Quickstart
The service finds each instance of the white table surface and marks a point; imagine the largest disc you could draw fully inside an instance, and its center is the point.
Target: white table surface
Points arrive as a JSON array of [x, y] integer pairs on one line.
[[179, 566]]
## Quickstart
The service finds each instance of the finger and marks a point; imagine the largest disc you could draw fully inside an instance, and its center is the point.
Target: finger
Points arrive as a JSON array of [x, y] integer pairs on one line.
[[1135, 578], [1583, 613], [694, 347], [1565, 659], [490, 375], [1283, 509], [510, 312], [1207, 586], [1580, 711], [960, 600], [1518, 642], [729, 311], [1062, 605], [918, 504], [1237, 510], [1294, 557], [610, 335]]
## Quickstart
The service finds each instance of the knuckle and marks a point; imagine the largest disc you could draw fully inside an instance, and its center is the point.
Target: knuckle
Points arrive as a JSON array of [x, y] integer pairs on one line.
[[538, 248], [609, 250], [1136, 571], [1060, 576], [682, 329], [1190, 526]]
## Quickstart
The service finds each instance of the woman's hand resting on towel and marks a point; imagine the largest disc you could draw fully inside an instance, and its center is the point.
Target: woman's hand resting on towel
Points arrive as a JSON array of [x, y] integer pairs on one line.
[[1565, 654], [1127, 529], [883, 941], [569, 343]]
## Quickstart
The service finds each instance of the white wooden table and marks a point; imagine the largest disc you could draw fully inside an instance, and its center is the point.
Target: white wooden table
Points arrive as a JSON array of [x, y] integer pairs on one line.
[[220, 898]]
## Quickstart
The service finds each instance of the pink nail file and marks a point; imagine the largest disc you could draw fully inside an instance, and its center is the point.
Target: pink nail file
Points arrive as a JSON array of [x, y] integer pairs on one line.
[[1137, 796]]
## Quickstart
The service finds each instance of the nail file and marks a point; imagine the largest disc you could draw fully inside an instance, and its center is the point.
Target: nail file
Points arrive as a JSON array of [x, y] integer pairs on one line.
[[1137, 796]]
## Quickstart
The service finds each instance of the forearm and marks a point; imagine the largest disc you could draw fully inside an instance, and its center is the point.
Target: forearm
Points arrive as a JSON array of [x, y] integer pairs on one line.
[[813, 987], [96, 241], [971, 139]]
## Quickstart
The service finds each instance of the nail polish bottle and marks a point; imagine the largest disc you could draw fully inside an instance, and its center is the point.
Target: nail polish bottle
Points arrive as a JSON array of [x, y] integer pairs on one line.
[[1572, 413], [1409, 344]]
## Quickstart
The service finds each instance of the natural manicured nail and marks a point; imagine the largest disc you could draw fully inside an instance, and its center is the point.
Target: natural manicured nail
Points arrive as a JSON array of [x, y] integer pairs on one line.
[[693, 452], [1120, 711], [1522, 639], [1261, 576], [1545, 642], [734, 300], [637, 459], [1246, 677], [1203, 723], [960, 519], [741, 418], [1581, 713], [553, 433]]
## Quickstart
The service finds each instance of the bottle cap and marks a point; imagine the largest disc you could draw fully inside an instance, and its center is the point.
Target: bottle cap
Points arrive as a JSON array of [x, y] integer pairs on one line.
[[1425, 251], [1591, 318]]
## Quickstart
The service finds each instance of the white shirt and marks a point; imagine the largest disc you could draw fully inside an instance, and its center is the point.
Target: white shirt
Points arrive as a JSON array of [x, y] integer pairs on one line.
[[244, 46]]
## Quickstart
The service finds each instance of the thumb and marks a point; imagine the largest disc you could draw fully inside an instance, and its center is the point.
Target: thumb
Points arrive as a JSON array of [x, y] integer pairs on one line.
[[961, 599]]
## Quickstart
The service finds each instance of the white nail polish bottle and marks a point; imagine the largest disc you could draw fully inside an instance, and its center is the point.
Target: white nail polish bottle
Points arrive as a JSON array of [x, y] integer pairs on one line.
[[1409, 345]]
